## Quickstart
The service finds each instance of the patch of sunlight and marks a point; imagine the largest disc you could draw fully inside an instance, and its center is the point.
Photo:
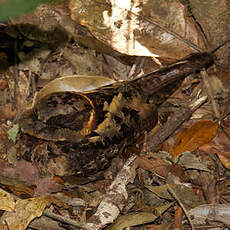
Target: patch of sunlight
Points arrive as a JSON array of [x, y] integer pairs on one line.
[[123, 22]]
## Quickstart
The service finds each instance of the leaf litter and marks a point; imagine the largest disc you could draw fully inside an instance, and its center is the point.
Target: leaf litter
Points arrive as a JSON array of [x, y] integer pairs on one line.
[[198, 177]]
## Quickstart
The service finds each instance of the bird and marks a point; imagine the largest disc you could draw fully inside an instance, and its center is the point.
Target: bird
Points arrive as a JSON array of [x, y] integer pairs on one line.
[[91, 118]]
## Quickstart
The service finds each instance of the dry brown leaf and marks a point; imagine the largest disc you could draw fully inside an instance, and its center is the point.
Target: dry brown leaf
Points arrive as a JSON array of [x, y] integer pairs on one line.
[[211, 147], [187, 195], [3, 84], [25, 211], [7, 112], [178, 217], [154, 164], [158, 227], [197, 135], [220, 146], [25, 177]]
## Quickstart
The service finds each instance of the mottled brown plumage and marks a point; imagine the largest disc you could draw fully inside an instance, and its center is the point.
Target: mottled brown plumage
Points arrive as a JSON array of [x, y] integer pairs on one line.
[[92, 126]]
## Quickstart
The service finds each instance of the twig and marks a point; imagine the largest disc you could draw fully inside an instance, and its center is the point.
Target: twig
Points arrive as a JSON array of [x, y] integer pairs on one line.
[[220, 45], [7, 225], [115, 198], [174, 195], [209, 91], [110, 71], [179, 117], [64, 219], [15, 72], [135, 67]]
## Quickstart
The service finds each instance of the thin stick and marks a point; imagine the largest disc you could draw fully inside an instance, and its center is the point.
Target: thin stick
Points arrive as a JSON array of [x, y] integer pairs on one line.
[[209, 91], [108, 69], [219, 46], [179, 117], [64, 219], [174, 195]]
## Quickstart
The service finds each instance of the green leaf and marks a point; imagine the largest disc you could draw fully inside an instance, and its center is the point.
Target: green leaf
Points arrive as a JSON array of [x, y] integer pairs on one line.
[[14, 8], [12, 133]]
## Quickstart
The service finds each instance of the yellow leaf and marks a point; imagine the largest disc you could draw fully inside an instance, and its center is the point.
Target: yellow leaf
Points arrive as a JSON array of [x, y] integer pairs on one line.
[[25, 211], [6, 201]]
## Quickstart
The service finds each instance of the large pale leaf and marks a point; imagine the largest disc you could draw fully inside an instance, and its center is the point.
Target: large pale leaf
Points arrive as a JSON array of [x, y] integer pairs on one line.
[[143, 28]]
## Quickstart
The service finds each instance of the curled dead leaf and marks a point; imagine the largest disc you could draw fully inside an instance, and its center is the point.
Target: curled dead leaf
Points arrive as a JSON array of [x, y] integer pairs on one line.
[[74, 83]]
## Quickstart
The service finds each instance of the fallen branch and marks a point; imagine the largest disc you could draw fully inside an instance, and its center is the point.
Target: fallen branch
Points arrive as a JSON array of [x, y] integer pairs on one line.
[[115, 198], [62, 219]]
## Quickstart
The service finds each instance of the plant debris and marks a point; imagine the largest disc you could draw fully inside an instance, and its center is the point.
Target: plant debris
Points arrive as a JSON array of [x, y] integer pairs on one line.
[[162, 125]]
